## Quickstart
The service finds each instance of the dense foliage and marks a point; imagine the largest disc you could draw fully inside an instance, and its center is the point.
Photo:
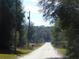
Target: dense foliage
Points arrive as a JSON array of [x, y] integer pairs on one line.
[[68, 13], [11, 17]]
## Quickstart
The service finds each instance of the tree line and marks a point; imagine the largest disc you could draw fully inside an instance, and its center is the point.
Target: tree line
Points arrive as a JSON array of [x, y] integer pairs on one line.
[[14, 30], [39, 34]]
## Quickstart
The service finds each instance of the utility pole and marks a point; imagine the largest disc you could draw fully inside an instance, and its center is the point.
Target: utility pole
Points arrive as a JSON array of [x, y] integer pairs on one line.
[[28, 31], [29, 19]]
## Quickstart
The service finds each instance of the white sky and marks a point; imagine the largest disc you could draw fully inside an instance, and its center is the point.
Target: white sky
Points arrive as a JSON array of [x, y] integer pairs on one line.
[[36, 16]]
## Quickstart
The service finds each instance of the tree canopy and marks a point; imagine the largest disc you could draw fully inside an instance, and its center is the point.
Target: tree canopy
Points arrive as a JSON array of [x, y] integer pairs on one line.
[[11, 17], [68, 13]]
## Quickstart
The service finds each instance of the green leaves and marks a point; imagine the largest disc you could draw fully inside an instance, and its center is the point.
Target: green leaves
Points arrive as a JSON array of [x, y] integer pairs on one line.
[[68, 13]]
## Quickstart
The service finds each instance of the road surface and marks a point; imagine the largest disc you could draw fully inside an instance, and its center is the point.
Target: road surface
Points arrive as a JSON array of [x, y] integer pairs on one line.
[[47, 51]]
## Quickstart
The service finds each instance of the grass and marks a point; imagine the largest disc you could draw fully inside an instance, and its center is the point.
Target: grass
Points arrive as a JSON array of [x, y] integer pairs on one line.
[[19, 52], [8, 56], [62, 51], [22, 51]]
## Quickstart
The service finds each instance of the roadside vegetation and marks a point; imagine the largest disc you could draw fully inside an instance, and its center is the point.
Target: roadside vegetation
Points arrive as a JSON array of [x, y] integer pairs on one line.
[[22, 51], [65, 15], [8, 56], [25, 50], [62, 51], [16, 34]]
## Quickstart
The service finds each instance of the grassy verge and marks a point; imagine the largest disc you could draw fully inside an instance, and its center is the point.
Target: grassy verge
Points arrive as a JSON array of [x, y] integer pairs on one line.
[[19, 52], [62, 51], [8, 56], [22, 51]]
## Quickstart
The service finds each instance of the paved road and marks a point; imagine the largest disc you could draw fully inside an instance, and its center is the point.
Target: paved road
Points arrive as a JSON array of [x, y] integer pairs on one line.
[[47, 51]]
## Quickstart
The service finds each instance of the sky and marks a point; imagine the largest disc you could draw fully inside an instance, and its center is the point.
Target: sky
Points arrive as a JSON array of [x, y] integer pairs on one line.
[[36, 16]]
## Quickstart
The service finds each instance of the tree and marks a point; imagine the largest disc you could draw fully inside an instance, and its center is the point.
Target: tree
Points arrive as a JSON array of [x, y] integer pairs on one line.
[[59, 39], [67, 11], [8, 24], [20, 23], [42, 34]]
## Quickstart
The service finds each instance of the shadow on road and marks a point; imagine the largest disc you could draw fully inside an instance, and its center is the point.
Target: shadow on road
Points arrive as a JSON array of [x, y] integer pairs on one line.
[[55, 58]]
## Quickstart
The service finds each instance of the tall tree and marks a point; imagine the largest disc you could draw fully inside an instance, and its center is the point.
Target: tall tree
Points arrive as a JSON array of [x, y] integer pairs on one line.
[[20, 21], [67, 11], [8, 24]]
